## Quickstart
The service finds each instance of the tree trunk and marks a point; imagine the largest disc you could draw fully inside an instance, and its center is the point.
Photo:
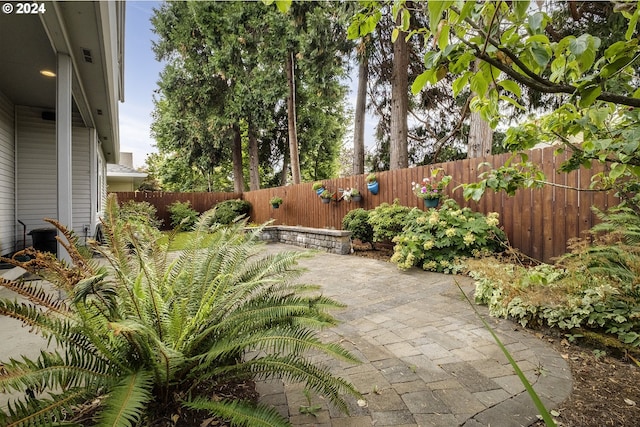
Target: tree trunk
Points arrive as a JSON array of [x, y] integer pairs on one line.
[[236, 156], [285, 171], [480, 137], [480, 134], [291, 111], [254, 163], [361, 105], [398, 150]]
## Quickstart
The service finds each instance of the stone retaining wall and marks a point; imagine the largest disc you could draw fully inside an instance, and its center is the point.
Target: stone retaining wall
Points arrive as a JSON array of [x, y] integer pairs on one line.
[[333, 241]]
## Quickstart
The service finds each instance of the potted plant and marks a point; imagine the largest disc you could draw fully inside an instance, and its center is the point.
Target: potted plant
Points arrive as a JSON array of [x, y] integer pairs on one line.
[[351, 194], [275, 202], [431, 189], [372, 183], [326, 196], [318, 187]]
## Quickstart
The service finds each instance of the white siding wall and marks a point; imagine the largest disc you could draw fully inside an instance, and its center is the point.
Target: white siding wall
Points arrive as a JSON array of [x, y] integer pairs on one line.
[[36, 168], [7, 176], [37, 172], [81, 177]]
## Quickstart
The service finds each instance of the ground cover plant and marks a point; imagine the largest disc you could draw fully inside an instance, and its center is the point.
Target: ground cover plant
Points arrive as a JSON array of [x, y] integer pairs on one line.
[[596, 286], [441, 239], [182, 215], [154, 327], [388, 220], [230, 210], [357, 222]]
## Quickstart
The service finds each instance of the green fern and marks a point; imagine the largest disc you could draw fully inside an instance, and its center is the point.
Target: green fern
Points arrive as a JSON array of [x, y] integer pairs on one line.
[[152, 324]]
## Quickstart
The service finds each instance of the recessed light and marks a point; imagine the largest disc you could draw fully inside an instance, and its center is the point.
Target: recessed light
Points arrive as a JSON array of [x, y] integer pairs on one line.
[[47, 73]]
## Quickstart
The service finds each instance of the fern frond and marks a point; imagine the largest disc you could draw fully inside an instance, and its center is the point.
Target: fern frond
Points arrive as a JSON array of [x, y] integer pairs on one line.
[[127, 400], [295, 368], [240, 413], [43, 411], [37, 296]]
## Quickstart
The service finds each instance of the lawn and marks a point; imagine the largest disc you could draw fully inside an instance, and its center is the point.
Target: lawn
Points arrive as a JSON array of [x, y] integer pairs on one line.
[[180, 241]]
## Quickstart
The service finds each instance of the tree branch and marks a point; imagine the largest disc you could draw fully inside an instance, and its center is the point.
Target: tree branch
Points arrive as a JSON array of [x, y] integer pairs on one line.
[[532, 79]]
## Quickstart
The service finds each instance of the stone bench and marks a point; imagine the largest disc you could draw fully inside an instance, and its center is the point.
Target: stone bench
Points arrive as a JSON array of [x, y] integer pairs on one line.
[[333, 241]]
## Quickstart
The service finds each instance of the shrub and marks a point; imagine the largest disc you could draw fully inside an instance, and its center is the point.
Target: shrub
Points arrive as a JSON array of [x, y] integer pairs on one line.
[[388, 220], [149, 332], [141, 213], [230, 210], [596, 285], [357, 222], [182, 215], [439, 239]]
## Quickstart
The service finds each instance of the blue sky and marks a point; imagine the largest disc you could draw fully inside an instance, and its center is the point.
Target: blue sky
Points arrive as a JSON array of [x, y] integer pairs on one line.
[[141, 76]]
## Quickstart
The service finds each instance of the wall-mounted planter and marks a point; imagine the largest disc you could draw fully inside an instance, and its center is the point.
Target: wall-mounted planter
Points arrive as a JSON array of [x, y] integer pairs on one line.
[[373, 187]]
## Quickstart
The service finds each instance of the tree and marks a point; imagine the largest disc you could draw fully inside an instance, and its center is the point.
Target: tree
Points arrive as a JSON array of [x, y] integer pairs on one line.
[[433, 117], [360, 112], [400, 95], [597, 87], [240, 49]]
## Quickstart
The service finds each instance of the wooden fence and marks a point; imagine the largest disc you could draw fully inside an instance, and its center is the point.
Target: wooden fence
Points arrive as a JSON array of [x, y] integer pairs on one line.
[[538, 222]]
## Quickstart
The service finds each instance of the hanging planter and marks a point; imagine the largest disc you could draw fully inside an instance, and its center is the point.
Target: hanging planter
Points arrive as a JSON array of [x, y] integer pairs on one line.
[[351, 194], [318, 187], [372, 184], [373, 187], [326, 196], [431, 203], [275, 202]]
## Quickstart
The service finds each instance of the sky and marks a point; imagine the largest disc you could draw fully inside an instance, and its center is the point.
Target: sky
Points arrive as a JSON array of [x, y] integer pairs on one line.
[[142, 73]]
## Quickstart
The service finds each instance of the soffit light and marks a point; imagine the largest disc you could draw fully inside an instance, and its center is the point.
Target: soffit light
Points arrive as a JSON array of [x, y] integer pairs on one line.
[[47, 73]]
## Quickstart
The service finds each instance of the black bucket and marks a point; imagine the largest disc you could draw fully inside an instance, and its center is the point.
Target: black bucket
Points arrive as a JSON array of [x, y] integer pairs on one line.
[[44, 240]]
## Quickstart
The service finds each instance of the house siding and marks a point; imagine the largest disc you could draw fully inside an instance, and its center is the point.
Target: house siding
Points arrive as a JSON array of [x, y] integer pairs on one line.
[[37, 178], [7, 176]]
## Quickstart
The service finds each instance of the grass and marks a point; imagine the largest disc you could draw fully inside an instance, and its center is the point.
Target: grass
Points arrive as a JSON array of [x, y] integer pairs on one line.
[[180, 240]]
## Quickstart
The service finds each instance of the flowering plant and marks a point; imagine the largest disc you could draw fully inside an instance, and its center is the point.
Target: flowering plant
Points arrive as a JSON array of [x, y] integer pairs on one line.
[[350, 193], [431, 188]]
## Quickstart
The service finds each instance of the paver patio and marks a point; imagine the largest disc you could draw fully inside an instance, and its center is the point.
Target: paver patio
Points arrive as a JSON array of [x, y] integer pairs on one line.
[[427, 360]]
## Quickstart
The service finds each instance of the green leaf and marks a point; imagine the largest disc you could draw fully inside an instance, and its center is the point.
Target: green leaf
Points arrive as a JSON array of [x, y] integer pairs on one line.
[[443, 38], [540, 55], [535, 21], [511, 101], [617, 170], [420, 81], [579, 45], [283, 5], [589, 95], [460, 83], [435, 13], [520, 8], [394, 34], [479, 84], [613, 67], [511, 86], [406, 19], [467, 9], [633, 22], [615, 49], [538, 38]]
